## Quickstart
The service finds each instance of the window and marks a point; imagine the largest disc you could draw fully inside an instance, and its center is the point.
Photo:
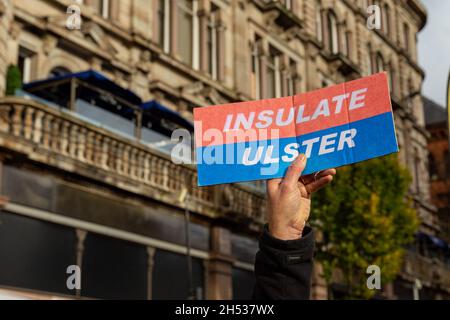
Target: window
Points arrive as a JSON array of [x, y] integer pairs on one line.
[[163, 33], [113, 269], [187, 32], [432, 167], [386, 20], [288, 4], [346, 45], [406, 35], [118, 118], [379, 63], [213, 43], [102, 7], [319, 31], [26, 62], [333, 42], [416, 170], [105, 9], [58, 72], [273, 75], [369, 61], [41, 254], [391, 76], [256, 68], [170, 277], [291, 79], [243, 283]]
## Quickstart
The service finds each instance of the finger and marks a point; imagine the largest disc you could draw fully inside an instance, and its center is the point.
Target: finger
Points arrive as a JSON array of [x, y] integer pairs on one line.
[[295, 171], [311, 177], [273, 184], [319, 184]]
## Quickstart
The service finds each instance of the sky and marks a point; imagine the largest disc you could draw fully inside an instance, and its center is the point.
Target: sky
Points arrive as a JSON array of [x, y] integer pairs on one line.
[[434, 50]]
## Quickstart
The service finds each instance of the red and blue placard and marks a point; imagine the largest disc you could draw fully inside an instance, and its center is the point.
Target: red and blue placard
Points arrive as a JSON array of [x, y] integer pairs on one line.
[[334, 126]]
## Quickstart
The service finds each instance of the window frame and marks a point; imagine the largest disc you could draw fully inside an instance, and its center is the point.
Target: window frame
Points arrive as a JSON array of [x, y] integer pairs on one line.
[[333, 32]]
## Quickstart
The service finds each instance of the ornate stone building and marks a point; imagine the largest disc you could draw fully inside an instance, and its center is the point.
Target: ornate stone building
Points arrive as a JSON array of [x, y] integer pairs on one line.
[[109, 200]]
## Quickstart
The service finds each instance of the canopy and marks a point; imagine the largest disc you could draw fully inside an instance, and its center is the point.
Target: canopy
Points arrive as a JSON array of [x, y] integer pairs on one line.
[[89, 77], [434, 240], [158, 110]]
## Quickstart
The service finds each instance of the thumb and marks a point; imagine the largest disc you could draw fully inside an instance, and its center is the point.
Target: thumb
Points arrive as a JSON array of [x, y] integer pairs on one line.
[[295, 171]]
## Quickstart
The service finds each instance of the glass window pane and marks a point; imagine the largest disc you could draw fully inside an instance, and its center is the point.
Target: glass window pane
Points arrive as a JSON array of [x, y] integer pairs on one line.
[[106, 118], [161, 22], [113, 269], [243, 283], [27, 188], [184, 34], [35, 254], [170, 276]]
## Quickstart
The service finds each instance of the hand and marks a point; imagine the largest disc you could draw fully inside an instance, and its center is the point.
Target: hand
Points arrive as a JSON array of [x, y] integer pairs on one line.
[[289, 199]]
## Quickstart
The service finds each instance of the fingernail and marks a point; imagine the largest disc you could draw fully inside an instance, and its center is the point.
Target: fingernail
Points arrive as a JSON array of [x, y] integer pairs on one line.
[[302, 157]]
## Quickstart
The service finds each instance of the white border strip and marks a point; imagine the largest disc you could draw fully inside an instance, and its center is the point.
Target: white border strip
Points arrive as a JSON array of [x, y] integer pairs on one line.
[[103, 230]]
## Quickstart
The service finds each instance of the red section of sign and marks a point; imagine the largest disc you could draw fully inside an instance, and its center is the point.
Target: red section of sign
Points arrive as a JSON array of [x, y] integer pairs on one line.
[[293, 116]]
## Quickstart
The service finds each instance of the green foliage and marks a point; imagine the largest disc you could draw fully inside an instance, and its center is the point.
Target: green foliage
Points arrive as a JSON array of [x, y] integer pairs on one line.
[[366, 218], [13, 80]]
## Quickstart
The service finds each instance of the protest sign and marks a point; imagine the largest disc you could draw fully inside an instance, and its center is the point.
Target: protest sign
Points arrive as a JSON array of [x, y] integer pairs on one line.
[[334, 126]]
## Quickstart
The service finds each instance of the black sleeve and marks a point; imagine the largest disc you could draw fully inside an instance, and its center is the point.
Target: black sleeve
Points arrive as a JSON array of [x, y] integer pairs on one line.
[[283, 268]]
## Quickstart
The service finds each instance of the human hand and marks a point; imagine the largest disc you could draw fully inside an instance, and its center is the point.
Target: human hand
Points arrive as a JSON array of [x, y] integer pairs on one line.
[[289, 199]]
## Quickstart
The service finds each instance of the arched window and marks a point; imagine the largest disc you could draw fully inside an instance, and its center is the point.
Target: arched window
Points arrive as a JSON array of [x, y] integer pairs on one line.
[[58, 72], [332, 30]]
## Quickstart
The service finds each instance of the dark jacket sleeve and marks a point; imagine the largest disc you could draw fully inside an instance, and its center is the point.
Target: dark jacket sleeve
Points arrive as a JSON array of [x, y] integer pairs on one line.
[[283, 268]]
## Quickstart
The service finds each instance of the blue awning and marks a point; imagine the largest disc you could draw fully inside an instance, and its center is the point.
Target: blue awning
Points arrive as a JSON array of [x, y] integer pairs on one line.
[[94, 78], [434, 240], [157, 109]]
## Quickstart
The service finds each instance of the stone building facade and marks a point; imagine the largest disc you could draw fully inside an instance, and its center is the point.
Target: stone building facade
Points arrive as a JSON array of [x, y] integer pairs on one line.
[[187, 54], [439, 162]]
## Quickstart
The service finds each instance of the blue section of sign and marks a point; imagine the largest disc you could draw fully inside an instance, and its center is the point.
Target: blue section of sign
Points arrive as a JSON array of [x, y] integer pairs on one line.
[[330, 148]]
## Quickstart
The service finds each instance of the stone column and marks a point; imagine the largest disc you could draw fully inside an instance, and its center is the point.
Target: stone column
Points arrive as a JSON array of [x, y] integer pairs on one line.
[[150, 265], [5, 21], [220, 285], [81, 237], [203, 17], [221, 47]]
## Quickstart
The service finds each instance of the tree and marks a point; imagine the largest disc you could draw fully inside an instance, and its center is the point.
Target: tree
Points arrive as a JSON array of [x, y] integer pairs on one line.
[[13, 80], [365, 218]]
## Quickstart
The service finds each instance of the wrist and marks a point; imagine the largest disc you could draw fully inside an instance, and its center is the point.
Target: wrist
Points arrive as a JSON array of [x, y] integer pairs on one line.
[[286, 232]]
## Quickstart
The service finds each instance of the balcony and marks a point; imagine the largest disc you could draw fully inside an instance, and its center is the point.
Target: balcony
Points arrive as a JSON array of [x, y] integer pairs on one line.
[[278, 12], [431, 272], [59, 138]]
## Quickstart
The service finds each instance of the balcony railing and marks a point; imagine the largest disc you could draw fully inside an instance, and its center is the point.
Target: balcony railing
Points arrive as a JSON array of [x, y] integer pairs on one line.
[[63, 140], [431, 272]]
